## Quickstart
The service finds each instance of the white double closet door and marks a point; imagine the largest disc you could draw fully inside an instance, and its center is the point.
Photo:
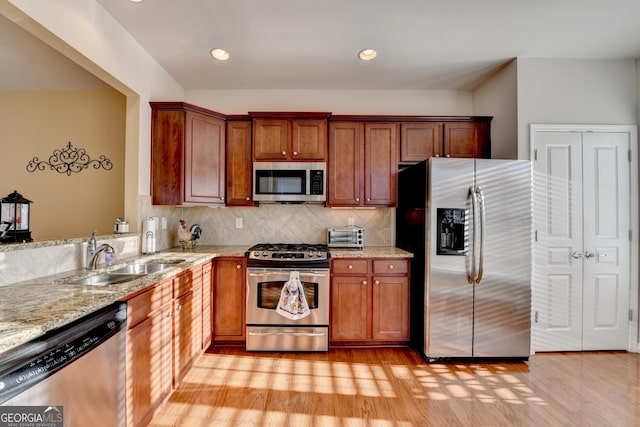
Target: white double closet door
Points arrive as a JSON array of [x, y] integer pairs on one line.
[[581, 283]]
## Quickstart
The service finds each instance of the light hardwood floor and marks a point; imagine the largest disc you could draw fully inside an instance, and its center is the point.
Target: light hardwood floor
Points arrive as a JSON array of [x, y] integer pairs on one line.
[[395, 387]]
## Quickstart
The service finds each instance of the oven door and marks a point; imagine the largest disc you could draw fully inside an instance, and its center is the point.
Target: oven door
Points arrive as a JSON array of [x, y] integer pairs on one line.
[[264, 286]]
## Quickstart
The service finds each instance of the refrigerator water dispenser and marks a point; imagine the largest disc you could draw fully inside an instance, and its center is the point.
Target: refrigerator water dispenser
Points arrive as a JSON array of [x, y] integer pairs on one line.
[[451, 231]]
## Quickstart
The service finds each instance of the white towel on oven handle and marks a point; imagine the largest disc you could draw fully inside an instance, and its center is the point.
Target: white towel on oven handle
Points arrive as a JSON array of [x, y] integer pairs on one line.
[[293, 301]]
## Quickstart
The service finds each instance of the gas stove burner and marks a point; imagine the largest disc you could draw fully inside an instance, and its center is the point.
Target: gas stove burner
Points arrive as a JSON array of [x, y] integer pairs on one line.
[[290, 247], [288, 254]]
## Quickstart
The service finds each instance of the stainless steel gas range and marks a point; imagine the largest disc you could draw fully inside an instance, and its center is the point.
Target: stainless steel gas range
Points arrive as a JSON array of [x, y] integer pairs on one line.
[[269, 268]]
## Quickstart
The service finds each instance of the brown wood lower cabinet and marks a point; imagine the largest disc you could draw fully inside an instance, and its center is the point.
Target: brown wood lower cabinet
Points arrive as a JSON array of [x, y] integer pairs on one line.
[[169, 325], [149, 377], [369, 301], [229, 299]]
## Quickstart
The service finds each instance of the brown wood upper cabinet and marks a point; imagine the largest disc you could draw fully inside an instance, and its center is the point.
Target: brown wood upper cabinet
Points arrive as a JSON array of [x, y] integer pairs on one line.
[[363, 164], [421, 140], [187, 155], [239, 173], [302, 137]]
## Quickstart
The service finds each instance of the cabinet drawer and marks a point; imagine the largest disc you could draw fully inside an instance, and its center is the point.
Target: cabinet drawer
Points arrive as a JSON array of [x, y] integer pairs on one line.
[[182, 283], [390, 266], [139, 307], [349, 266]]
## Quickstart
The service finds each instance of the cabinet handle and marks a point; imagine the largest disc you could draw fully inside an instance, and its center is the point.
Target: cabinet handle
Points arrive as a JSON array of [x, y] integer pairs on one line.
[[364, 283], [170, 314], [390, 266], [437, 155], [377, 282], [357, 199], [247, 198], [448, 155], [238, 267], [368, 199], [284, 153], [221, 198], [178, 307], [295, 153], [350, 267]]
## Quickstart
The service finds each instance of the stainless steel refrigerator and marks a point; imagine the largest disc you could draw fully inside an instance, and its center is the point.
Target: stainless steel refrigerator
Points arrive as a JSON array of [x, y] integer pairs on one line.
[[468, 223]]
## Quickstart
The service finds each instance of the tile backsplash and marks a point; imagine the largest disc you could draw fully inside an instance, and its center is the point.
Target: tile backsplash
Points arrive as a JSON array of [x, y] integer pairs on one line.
[[288, 223]]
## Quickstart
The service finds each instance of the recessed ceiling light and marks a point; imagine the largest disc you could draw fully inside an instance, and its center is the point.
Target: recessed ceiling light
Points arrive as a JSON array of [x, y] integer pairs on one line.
[[220, 54], [135, 1], [367, 54]]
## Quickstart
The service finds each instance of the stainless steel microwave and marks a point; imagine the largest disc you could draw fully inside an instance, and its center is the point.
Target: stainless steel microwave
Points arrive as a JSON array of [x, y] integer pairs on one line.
[[289, 182]]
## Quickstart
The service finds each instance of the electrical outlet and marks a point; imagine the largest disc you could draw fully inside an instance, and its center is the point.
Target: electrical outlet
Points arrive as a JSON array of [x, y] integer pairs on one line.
[[351, 221], [238, 222], [163, 220]]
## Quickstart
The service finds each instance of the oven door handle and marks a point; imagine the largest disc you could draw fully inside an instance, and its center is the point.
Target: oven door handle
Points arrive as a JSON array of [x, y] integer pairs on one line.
[[264, 333], [302, 273]]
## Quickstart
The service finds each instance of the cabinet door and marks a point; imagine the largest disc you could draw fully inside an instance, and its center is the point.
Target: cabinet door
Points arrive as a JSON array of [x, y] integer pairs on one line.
[[207, 320], [185, 336], [467, 140], [149, 371], [419, 141], [270, 139], [390, 308], [349, 313], [239, 172], [345, 165], [309, 140], [229, 299], [204, 168], [167, 153], [381, 164]]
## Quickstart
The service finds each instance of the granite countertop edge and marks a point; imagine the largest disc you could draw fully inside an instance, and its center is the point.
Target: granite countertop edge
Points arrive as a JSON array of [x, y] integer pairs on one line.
[[32, 308]]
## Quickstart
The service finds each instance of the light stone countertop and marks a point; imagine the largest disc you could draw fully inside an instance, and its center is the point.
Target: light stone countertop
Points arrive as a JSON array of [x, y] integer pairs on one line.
[[371, 252], [31, 308]]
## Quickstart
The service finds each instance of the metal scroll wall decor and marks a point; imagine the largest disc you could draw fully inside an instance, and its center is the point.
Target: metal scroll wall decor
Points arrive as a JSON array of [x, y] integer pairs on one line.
[[69, 160]]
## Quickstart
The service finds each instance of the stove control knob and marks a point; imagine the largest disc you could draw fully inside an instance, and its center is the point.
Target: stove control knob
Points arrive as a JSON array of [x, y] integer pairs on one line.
[[264, 253]]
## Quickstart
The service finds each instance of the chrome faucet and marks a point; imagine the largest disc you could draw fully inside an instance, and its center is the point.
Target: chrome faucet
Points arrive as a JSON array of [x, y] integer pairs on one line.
[[93, 260]]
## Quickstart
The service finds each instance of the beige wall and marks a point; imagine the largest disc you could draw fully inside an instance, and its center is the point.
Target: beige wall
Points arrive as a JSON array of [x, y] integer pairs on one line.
[[34, 124], [574, 91], [497, 97]]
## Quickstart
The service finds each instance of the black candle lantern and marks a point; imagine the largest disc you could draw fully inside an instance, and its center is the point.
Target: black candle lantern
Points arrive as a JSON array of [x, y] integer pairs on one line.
[[14, 218]]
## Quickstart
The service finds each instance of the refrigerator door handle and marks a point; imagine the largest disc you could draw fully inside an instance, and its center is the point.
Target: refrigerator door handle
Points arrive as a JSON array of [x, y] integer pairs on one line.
[[482, 223], [474, 232]]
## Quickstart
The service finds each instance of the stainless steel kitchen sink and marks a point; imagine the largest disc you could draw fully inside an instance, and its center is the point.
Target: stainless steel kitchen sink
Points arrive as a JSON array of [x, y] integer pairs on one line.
[[146, 268], [106, 279]]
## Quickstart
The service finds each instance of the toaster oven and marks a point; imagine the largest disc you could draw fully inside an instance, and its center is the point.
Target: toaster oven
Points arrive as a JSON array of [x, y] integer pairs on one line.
[[349, 237]]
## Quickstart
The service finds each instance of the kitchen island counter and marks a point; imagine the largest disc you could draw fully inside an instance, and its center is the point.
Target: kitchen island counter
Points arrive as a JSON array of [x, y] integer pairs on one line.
[[31, 308]]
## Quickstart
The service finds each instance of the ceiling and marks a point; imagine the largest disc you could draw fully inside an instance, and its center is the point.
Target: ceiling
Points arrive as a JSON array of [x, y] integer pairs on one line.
[[312, 44]]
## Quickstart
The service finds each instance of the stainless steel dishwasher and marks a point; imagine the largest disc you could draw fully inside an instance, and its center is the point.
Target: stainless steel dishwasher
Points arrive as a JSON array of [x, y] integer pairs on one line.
[[80, 367]]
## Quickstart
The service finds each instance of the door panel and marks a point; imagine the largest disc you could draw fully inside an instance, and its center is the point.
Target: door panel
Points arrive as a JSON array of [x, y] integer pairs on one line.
[[449, 296], [606, 241], [558, 221], [502, 313]]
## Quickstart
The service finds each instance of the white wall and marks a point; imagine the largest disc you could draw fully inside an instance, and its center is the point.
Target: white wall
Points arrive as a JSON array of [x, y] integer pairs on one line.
[[568, 91], [390, 102], [498, 97]]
